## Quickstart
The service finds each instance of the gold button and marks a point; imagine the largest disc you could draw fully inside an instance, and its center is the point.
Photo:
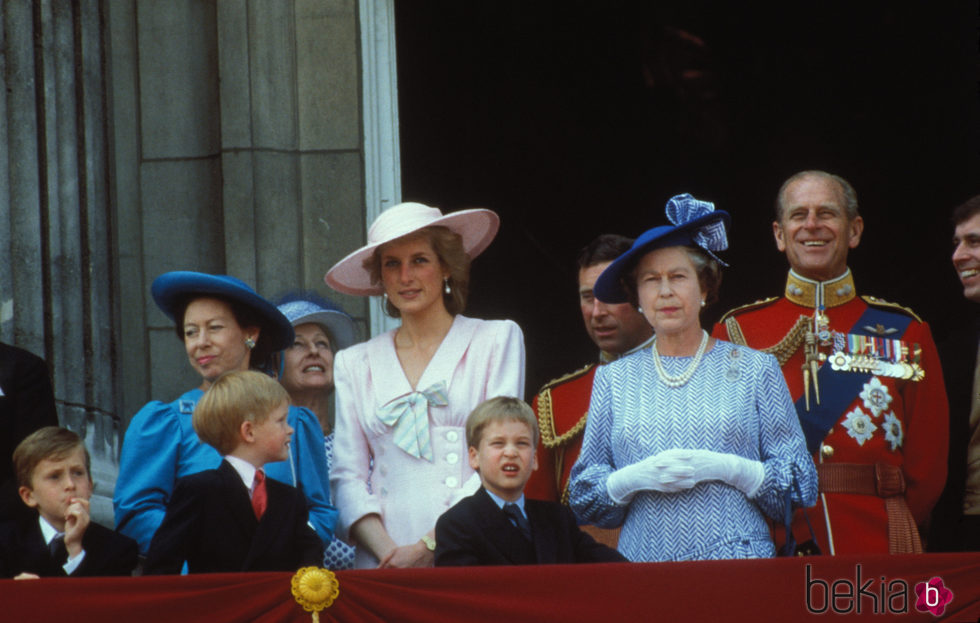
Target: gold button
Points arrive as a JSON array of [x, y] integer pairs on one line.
[[827, 451]]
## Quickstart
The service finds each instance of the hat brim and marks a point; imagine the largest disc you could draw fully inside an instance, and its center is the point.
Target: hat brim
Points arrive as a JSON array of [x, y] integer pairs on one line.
[[169, 289], [339, 325], [477, 227], [608, 287]]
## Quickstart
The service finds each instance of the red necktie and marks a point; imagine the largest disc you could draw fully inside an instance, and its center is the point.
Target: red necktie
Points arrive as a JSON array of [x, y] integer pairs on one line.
[[259, 496]]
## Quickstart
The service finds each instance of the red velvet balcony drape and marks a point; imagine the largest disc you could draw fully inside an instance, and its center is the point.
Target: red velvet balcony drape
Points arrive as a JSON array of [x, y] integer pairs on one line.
[[757, 590]]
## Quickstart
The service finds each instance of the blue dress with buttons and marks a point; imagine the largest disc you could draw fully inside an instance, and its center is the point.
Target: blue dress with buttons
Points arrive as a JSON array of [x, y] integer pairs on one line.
[[736, 403]]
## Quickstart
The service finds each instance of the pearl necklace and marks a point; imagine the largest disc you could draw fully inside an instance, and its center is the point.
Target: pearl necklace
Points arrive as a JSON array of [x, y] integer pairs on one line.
[[684, 377]]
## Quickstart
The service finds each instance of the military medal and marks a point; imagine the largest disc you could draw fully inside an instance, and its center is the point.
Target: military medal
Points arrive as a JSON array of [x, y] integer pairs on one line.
[[877, 355]]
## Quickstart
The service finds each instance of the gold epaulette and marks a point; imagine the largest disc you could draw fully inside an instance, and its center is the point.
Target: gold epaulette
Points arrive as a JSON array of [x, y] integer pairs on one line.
[[877, 302], [546, 417], [568, 377], [739, 310]]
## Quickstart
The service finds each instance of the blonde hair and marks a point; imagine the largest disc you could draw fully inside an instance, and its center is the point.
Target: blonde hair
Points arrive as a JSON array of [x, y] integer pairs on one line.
[[448, 247], [235, 397], [499, 409], [49, 443]]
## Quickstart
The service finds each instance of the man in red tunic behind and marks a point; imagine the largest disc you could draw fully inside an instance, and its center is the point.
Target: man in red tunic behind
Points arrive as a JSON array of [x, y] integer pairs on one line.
[[864, 373], [562, 404]]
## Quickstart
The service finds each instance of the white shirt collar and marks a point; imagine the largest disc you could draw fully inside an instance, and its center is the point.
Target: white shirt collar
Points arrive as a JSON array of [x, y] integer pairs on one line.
[[47, 530], [246, 471]]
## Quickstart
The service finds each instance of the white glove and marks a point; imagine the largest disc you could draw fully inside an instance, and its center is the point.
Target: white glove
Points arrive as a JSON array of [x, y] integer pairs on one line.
[[668, 471], [744, 474]]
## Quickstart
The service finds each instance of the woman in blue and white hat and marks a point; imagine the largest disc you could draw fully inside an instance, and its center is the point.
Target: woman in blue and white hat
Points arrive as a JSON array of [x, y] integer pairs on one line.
[[224, 325], [306, 367], [306, 372], [692, 442]]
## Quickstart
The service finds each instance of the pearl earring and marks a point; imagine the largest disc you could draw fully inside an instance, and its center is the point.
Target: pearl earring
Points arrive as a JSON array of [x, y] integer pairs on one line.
[[249, 343], [447, 289], [639, 309], [702, 303]]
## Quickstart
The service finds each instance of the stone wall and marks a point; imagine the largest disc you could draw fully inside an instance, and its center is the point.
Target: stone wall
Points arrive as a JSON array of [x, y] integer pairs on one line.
[[142, 136]]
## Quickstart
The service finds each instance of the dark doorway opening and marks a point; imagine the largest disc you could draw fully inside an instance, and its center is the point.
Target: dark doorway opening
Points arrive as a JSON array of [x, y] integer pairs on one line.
[[577, 118]]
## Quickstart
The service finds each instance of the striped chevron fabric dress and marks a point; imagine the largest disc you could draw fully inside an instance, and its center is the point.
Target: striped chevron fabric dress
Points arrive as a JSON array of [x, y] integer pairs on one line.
[[736, 403]]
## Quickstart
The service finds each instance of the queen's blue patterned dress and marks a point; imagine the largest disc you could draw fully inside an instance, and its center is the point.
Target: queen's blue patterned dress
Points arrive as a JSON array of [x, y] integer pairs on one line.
[[736, 403]]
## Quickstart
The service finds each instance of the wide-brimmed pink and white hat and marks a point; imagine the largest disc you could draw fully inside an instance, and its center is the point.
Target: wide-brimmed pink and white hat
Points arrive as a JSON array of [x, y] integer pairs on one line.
[[476, 226]]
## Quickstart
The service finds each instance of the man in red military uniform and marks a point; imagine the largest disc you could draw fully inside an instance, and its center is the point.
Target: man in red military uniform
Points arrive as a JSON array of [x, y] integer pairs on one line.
[[864, 373], [562, 404]]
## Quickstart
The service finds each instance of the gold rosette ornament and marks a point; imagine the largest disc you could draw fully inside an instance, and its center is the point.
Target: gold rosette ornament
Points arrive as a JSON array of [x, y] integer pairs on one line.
[[315, 589]]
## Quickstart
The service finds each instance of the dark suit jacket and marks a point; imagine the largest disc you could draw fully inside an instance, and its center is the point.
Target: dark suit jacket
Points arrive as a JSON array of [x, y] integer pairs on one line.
[[477, 532], [210, 524], [949, 529], [27, 404], [22, 548]]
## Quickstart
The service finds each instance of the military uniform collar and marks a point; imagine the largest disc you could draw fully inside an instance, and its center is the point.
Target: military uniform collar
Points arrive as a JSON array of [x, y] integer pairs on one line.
[[605, 357], [809, 293]]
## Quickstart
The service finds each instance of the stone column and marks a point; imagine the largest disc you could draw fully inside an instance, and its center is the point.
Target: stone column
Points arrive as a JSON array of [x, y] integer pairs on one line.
[[56, 299]]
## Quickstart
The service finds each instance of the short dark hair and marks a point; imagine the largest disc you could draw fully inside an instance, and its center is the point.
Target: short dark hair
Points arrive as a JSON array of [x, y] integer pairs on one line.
[[846, 190], [707, 268], [49, 443], [966, 210], [262, 355], [604, 248]]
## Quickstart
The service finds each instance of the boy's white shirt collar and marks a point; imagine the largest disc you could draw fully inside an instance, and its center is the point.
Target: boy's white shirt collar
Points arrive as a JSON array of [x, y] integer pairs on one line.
[[246, 471], [48, 532], [499, 501]]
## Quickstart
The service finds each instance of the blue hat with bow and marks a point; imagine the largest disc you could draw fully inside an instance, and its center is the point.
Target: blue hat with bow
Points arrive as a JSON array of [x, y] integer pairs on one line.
[[695, 223]]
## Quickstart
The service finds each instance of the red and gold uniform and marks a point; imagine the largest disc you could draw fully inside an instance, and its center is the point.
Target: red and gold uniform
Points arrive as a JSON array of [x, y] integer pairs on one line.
[[562, 407], [869, 391]]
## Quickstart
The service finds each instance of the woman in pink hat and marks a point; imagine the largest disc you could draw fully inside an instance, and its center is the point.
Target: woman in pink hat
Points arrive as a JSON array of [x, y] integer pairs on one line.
[[400, 456]]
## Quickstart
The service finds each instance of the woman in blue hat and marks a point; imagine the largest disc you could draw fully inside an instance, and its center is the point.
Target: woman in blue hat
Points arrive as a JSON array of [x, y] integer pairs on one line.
[[306, 366], [224, 326], [692, 442], [306, 372]]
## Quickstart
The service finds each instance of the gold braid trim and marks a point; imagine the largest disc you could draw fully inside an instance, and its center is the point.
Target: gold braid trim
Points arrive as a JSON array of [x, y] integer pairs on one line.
[[735, 335], [742, 308], [546, 417], [783, 349], [546, 422], [877, 302]]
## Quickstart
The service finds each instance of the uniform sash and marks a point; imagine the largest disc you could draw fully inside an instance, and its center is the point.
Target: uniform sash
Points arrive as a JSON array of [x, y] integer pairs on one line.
[[839, 389]]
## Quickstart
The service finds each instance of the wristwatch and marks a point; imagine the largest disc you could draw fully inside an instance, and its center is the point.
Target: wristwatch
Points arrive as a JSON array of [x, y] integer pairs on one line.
[[430, 543]]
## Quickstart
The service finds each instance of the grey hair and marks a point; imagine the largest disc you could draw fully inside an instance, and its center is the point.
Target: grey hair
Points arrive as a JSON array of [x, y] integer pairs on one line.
[[850, 195]]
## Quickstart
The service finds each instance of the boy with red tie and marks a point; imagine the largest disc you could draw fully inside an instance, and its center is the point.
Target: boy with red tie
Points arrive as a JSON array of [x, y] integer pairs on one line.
[[232, 518]]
